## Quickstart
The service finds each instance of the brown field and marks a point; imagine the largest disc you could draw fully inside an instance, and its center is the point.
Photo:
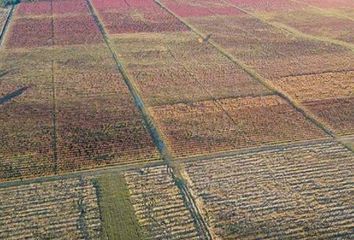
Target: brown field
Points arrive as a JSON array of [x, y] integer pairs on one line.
[[228, 124], [318, 86], [336, 112], [169, 60]]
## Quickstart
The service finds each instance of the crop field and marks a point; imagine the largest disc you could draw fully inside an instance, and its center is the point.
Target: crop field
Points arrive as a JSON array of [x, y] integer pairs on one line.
[[293, 192], [209, 126], [278, 53], [163, 215], [133, 16], [153, 58], [176, 119], [63, 209]]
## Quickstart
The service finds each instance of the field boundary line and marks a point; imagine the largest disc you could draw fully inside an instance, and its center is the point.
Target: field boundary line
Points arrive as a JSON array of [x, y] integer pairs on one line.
[[317, 73], [293, 31], [54, 100], [6, 25], [155, 133], [308, 115], [85, 172], [54, 122]]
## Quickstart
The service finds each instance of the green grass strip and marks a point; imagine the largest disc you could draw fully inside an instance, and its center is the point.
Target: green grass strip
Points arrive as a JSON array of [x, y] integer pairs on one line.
[[118, 219]]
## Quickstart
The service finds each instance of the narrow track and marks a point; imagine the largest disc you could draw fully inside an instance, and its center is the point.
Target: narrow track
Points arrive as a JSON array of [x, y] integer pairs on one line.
[[155, 133], [5, 26], [54, 102]]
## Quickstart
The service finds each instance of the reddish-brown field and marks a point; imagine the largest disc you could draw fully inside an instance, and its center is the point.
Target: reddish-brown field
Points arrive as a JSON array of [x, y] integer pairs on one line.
[[76, 30], [336, 112], [202, 127], [30, 32]]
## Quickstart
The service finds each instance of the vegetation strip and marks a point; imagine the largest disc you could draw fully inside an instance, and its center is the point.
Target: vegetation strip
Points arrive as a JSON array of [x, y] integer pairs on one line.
[[118, 218], [5, 26], [313, 119], [153, 130]]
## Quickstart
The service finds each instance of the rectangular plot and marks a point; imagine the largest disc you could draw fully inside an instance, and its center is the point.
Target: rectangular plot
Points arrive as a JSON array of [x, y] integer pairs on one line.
[[76, 30], [101, 134], [63, 209], [29, 32], [137, 16], [164, 215], [204, 127], [26, 134], [147, 21], [37, 8], [73, 84], [64, 7], [296, 191], [318, 86], [200, 8], [336, 112], [83, 58]]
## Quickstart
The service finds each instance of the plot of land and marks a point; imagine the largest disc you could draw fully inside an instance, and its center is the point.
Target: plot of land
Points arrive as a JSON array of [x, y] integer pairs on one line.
[[177, 119], [163, 215], [159, 63], [210, 126], [301, 191], [59, 209]]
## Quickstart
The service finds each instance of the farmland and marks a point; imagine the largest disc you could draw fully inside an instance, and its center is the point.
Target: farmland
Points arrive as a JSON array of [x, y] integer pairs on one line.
[[291, 192], [176, 119]]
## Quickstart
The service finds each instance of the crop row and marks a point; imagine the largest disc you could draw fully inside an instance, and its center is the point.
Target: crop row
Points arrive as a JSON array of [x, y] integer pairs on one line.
[[210, 126], [293, 192], [163, 215], [61, 209]]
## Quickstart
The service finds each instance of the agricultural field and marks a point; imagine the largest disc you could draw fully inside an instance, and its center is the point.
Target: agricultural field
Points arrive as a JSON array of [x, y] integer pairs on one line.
[[207, 127], [293, 192], [63, 209], [274, 51], [176, 119]]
